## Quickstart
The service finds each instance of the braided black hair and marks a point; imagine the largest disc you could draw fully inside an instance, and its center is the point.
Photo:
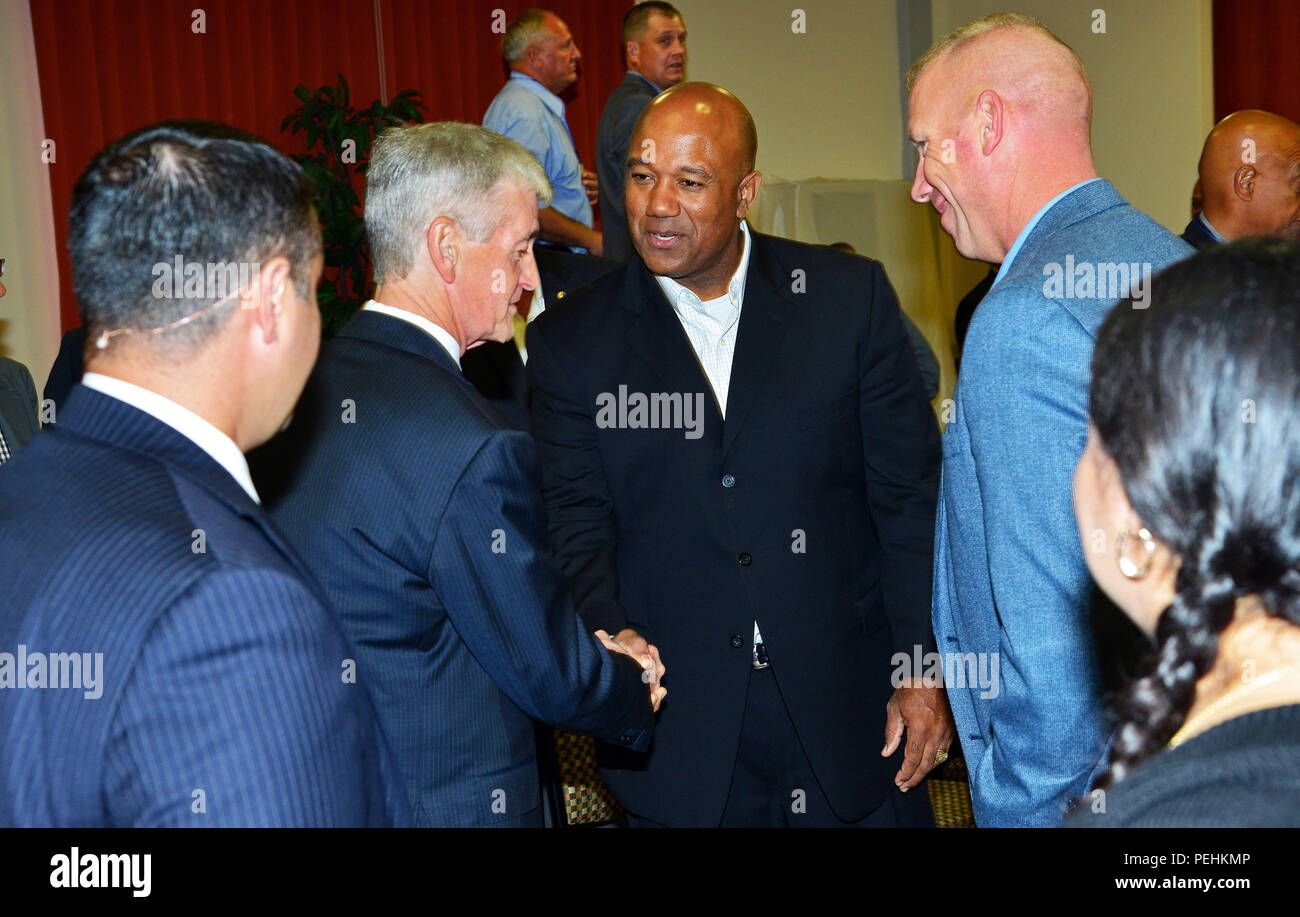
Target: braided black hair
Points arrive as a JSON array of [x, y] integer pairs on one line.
[[1197, 399]]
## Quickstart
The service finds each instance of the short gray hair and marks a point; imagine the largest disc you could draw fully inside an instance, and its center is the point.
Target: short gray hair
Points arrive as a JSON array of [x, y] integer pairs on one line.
[[529, 26], [425, 171]]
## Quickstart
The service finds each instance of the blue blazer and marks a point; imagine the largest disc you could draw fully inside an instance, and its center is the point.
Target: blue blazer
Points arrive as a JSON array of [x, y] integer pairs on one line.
[[1010, 584], [417, 507], [213, 692]]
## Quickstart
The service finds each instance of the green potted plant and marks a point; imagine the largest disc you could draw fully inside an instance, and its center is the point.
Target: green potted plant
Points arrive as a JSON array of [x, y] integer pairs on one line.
[[339, 138]]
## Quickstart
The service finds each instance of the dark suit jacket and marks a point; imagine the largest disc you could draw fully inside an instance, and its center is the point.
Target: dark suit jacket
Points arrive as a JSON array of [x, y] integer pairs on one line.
[[219, 698], [1197, 236], [19, 414], [67, 369], [810, 510], [420, 515], [495, 369], [613, 134]]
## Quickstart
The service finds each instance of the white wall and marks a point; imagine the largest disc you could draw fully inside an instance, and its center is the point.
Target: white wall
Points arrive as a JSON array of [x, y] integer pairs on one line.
[[826, 101], [29, 314]]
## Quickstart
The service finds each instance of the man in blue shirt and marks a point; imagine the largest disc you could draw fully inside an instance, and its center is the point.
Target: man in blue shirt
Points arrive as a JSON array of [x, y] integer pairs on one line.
[[543, 60]]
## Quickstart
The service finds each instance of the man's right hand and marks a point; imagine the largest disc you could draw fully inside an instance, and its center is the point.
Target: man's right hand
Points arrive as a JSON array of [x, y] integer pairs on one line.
[[629, 643]]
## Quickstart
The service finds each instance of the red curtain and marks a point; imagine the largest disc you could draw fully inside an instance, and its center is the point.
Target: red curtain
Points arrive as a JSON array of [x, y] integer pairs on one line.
[[109, 66], [1256, 64]]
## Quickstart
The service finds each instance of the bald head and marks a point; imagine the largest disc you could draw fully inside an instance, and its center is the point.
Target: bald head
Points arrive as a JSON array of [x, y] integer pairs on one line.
[[1001, 113], [706, 110], [691, 180], [1250, 175]]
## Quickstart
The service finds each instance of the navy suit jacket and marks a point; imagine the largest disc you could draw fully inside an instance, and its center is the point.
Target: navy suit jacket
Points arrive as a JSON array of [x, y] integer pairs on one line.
[[809, 510], [1197, 236], [417, 508], [18, 410], [67, 369], [220, 697], [613, 134]]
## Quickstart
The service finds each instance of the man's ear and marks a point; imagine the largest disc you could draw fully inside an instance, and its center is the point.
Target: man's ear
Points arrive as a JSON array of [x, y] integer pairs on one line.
[[632, 50], [748, 191], [265, 299], [990, 116], [535, 57], [1243, 182], [445, 246]]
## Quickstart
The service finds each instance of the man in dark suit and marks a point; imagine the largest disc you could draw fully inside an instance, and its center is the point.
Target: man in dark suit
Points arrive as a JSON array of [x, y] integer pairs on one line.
[[417, 506], [654, 46], [19, 420], [67, 369], [18, 411], [1248, 177], [496, 368], [768, 525], [166, 658]]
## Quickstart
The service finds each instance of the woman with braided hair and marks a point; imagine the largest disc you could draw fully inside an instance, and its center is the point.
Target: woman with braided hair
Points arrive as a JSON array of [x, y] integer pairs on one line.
[[1188, 502]]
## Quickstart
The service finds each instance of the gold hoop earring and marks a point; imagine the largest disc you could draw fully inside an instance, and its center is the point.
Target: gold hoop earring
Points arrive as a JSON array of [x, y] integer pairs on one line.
[[1127, 567]]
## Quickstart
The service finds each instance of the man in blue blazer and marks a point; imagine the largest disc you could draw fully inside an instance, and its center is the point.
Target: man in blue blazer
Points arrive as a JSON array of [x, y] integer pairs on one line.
[[1000, 114], [416, 504], [740, 465], [164, 657]]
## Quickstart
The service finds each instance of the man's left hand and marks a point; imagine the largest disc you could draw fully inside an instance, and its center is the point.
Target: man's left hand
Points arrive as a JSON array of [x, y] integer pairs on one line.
[[925, 714], [591, 184]]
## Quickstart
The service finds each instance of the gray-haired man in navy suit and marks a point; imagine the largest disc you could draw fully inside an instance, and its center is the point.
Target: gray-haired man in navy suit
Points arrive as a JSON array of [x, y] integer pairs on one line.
[[417, 504]]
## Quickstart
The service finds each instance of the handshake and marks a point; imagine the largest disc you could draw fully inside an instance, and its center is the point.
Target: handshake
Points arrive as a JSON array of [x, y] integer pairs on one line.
[[631, 644]]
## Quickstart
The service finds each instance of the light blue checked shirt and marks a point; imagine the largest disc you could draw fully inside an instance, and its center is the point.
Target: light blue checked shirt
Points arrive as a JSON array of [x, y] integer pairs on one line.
[[712, 327]]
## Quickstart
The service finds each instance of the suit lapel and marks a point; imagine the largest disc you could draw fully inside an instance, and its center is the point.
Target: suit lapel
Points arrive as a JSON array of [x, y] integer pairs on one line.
[[764, 320], [656, 336]]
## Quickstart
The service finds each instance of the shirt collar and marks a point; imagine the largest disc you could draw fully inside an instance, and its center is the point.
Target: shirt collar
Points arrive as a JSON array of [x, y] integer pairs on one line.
[[1029, 227], [437, 332], [549, 99], [647, 81], [1209, 227], [203, 434], [681, 297]]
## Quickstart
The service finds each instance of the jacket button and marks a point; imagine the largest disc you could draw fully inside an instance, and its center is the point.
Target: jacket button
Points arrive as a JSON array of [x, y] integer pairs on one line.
[[728, 481], [745, 560], [737, 641]]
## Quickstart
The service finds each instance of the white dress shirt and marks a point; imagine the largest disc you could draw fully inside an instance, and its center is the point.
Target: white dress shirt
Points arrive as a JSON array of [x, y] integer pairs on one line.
[[218, 445], [536, 308], [711, 327], [435, 331]]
